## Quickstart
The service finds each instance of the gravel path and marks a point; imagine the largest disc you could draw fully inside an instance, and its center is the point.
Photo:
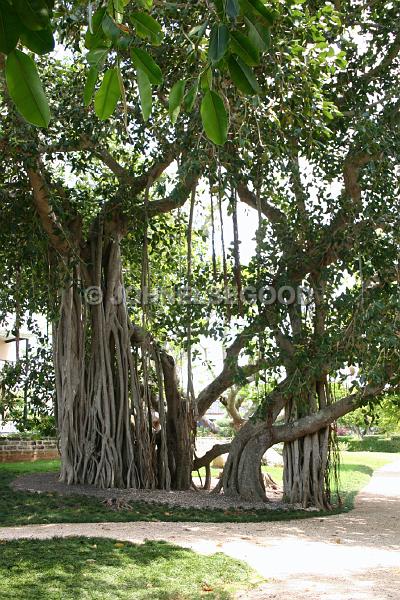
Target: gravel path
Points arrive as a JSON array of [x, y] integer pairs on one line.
[[48, 482], [353, 556]]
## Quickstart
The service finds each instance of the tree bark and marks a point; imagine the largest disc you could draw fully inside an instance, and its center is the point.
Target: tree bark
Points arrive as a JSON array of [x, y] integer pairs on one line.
[[104, 411], [242, 475], [305, 479]]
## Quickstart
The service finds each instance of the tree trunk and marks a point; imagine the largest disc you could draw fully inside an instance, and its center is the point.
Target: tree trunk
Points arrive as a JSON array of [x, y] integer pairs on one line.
[[104, 414], [180, 428], [242, 476], [305, 479]]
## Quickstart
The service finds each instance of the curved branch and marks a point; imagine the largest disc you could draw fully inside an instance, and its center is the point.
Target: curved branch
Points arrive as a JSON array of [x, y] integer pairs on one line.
[[276, 216], [324, 417], [48, 218], [176, 199], [211, 455], [386, 61]]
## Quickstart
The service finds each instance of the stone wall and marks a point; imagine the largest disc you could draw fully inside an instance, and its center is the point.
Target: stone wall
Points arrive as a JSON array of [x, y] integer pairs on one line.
[[12, 450]]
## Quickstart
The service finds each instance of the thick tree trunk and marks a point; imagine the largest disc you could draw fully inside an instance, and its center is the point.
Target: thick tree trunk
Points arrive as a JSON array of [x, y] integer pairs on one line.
[[242, 474], [180, 428], [104, 413], [305, 479], [305, 463]]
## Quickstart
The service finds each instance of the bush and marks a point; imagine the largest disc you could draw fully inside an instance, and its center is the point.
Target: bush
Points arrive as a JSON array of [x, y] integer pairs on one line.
[[372, 443]]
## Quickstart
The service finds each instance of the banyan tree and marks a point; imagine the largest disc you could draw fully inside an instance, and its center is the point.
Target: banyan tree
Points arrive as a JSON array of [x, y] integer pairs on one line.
[[312, 151]]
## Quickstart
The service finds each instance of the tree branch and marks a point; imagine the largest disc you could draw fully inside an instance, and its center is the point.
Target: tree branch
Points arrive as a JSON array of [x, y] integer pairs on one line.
[[48, 218], [386, 61], [324, 417], [122, 173], [176, 199], [276, 216], [209, 456], [226, 378]]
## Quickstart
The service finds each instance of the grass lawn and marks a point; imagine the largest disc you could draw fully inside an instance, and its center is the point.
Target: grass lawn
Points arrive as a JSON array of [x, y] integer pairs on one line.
[[101, 569], [22, 508]]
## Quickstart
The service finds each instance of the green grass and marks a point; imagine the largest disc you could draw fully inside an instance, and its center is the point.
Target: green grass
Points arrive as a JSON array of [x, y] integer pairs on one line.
[[22, 508], [102, 569], [372, 443]]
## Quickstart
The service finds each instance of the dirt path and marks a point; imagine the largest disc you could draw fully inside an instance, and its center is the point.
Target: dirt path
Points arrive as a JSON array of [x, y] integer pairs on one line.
[[354, 556]]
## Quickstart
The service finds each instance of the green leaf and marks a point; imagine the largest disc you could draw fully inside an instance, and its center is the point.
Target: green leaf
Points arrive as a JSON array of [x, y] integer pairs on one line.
[[232, 8], [96, 58], [175, 99], [219, 40], [107, 95], [40, 42], [146, 4], [242, 76], [90, 83], [97, 38], [143, 61], [25, 88], [147, 27], [198, 31], [259, 8], [145, 93], [214, 118], [9, 28], [190, 97], [110, 30], [206, 80], [259, 35], [244, 48], [34, 14]]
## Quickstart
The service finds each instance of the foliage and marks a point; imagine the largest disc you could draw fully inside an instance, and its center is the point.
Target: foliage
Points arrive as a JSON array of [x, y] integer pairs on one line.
[[235, 34], [383, 416], [30, 380], [372, 443], [104, 569]]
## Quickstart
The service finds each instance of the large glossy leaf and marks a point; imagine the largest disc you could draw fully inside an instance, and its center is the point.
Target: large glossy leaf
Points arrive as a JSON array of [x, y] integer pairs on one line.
[[9, 28], [219, 40], [110, 30], [90, 83], [198, 31], [96, 37], [143, 61], [34, 14], [26, 90], [147, 27], [175, 99], [232, 8], [107, 95], [206, 80], [242, 76], [145, 93], [259, 35], [190, 97], [96, 57], [214, 118], [259, 8], [40, 42], [244, 48]]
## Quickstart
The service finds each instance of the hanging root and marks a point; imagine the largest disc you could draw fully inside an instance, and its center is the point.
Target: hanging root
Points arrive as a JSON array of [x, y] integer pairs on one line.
[[105, 414]]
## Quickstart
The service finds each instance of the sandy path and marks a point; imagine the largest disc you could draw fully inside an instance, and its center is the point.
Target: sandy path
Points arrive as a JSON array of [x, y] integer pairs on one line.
[[354, 556]]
